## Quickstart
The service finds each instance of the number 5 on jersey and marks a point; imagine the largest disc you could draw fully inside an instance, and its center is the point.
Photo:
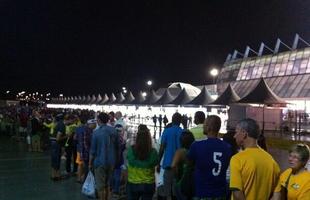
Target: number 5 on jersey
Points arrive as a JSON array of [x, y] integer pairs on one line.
[[217, 170]]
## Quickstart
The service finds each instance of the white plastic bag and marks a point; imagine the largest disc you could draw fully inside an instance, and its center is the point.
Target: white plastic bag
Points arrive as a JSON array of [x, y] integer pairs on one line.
[[159, 177], [89, 187]]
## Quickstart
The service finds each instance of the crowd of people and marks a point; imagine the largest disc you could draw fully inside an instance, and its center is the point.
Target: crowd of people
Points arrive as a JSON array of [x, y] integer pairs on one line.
[[184, 164]]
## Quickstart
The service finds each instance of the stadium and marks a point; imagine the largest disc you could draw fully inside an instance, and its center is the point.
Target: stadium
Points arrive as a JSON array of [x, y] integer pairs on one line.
[[286, 73]]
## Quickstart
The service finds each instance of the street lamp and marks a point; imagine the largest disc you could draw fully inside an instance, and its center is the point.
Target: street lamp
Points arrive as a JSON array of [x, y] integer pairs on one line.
[[149, 83], [214, 72], [144, 94], [124, 90]]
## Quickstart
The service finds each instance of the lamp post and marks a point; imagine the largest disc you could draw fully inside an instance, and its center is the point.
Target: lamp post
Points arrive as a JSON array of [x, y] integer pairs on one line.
[[149, 83], [214, 72], [144, 94], [124, 90]]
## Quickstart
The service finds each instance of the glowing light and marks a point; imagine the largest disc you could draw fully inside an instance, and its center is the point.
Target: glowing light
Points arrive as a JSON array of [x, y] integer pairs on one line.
[[214, 72], [149, 82]]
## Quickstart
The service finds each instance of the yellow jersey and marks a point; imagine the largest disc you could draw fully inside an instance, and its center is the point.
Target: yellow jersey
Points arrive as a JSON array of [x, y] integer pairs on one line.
[[298, 187], [255, 173], [51, 126], [198, 132]]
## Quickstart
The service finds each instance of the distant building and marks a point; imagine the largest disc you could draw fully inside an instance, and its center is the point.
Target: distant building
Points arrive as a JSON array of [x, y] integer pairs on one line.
[[286, 73]]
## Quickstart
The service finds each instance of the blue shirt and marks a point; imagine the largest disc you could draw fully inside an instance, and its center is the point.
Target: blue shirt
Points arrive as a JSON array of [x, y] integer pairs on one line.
[[61, 130], [171, 138], [211, 157], [104, 146]]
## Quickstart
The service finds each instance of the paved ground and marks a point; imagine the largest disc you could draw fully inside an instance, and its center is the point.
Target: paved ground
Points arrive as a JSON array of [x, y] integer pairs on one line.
[[25, 175]]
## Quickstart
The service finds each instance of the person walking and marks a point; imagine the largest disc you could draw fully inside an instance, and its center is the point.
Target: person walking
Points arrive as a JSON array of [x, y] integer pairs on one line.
[[197, 131], [211, 159], [170, 143], [103, 155], [57, 142], [182, 168], [142, 159]]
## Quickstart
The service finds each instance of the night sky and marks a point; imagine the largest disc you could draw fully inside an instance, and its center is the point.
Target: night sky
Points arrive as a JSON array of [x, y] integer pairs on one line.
[[88, 47]]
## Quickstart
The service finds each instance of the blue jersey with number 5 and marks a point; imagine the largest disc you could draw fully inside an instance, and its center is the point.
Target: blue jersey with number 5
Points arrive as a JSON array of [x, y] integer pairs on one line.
[[211, 158]]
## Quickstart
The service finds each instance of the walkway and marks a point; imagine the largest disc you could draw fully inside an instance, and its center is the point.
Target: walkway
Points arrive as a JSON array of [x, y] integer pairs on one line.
[[25, 175]]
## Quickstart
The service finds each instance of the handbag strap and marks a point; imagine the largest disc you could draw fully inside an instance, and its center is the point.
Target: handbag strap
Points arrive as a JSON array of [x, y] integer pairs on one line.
[[287, 180]]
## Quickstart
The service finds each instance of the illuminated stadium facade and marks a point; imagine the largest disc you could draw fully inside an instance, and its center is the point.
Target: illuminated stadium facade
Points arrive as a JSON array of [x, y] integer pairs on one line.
[[286, 73]]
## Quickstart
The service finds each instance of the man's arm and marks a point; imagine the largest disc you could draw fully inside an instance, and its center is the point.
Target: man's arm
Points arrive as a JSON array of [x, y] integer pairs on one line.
[[91, 161], [92, 153], [238, 195], [117, 148], [161, 153]]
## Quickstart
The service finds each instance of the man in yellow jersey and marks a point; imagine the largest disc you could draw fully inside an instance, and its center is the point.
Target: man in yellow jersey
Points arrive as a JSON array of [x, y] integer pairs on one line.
[[69, 145], [50, 125], [253, 172], [197, 131]]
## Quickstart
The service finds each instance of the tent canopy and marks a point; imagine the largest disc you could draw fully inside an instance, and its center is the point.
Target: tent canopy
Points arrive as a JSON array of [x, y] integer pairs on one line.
[[120, 98], [112, 99], [93, 99], [139, 99], [262, 94], [166, 98], [99, 99], [88, 99], [129, 98], [105, 99], [227, 97], [203, 99], [183, 98], [151, 98], [191, 90]]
